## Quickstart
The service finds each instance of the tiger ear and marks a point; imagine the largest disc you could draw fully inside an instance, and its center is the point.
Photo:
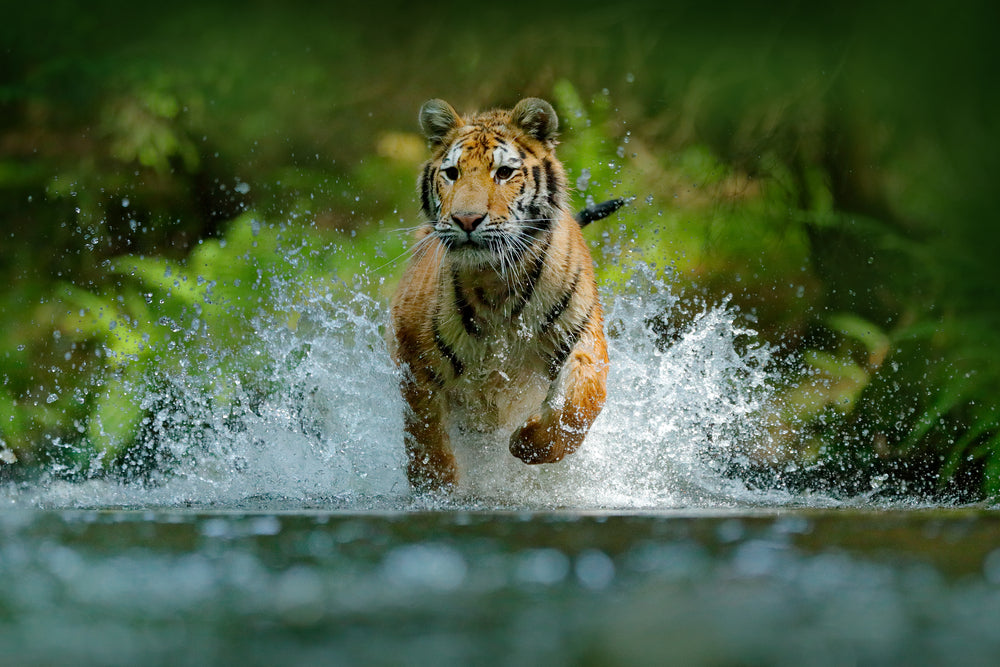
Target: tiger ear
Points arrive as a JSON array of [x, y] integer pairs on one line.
[[437, 119], [537, 118]]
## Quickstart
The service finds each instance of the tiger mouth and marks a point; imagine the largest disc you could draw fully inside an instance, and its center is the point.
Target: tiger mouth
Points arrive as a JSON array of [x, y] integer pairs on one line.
[[462, 241], [457, 239], [472, 251], [477, 248]]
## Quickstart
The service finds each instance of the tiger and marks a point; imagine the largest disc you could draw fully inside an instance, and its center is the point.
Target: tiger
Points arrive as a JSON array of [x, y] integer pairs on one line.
[[497, 314]]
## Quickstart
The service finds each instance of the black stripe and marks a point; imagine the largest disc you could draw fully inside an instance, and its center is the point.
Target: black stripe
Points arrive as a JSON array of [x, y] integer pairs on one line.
[[556, 311], [539, 222], [456, 364], [481, 295], [425, 190], [566, 345], [436, 379], [465, 309], [552, 184], [533, 277], [533, 212], [422, 374], [487, 140]]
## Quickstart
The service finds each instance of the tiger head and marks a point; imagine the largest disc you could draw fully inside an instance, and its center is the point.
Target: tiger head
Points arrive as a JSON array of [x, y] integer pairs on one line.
[[493, 185]]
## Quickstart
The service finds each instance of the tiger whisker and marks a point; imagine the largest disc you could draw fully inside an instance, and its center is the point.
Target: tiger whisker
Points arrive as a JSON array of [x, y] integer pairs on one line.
[[408, 230], [412, 250]]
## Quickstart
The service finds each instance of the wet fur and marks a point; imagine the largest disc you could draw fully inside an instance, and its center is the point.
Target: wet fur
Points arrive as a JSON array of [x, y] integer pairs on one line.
[[497, 314]]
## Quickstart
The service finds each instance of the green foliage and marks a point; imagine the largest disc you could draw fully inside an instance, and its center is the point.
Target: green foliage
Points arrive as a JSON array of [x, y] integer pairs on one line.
[[590, 158], [142, 131], [155, 319]]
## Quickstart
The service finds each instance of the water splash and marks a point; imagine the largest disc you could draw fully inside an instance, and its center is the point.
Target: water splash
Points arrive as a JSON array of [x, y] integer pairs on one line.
[[320, 422]]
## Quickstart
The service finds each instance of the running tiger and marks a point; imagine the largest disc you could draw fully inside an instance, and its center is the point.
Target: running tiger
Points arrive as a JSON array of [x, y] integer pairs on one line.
[[497, 314]]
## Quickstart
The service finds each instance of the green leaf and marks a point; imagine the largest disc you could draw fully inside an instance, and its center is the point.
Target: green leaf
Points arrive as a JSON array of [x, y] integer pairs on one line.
[[115, 420], [162, 275], [960, 450], [875, 340], [991, 476], [949, 396]]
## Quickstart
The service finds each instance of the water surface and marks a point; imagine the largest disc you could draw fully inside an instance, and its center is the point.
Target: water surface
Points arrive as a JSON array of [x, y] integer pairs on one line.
[[916, 587]]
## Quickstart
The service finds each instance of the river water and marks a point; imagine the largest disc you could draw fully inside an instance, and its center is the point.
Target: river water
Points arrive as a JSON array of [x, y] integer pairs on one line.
[[281, 530]]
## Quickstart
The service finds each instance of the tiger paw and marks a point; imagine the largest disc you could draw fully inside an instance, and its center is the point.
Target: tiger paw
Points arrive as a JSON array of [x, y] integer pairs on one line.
[[536, 443]]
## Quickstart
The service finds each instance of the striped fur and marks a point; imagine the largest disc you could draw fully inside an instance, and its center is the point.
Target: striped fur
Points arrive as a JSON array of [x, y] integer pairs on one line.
[[497, 315]]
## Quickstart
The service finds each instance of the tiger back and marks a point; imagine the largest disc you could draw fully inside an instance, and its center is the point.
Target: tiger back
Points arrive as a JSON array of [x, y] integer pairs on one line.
[[497, 315]]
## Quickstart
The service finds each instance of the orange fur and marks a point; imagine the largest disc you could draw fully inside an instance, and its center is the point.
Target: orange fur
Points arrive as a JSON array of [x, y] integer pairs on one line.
[[497, 314]]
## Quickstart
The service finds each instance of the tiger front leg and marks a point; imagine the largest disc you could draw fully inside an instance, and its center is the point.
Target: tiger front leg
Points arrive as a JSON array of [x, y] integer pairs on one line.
[[575, 399], [430, 462]]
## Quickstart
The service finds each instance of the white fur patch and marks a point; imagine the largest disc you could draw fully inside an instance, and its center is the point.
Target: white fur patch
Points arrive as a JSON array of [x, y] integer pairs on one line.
[[452, 157], [504, 156]]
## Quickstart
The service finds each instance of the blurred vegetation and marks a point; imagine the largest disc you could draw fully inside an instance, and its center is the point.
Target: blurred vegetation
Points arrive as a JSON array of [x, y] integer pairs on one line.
[[831, 169]]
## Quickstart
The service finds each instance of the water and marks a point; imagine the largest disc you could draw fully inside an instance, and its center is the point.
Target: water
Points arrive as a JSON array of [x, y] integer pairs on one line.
[[329, 430], [279, 527], [455, 588]]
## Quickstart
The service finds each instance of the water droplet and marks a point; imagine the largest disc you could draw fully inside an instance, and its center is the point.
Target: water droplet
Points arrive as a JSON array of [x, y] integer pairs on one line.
[[265, 525], [542, 566], [426, 565], [594, 569]]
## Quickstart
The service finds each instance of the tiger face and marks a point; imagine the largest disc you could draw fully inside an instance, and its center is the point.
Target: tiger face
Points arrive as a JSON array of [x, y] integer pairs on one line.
[[492, 186]]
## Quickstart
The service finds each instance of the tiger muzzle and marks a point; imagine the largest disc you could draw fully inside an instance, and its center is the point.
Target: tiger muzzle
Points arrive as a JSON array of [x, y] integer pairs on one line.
[[468, 222]]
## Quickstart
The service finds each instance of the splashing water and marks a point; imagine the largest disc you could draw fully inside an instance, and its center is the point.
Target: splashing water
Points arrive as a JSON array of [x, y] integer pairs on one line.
[[328, 431]]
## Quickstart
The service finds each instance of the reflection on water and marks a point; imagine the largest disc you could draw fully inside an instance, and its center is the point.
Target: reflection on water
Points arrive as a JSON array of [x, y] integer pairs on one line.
[[844, 587]]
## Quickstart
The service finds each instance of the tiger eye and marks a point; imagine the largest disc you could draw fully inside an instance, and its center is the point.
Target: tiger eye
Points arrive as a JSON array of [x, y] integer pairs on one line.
[[451, 173], [504, 172]]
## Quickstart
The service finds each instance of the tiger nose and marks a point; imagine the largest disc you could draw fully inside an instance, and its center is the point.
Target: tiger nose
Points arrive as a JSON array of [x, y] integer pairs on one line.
[[468, 221]]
